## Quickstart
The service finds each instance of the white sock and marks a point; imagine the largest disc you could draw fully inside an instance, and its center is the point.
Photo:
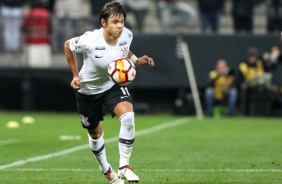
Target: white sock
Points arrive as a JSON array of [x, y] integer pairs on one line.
[[126, 137], [98, 149]]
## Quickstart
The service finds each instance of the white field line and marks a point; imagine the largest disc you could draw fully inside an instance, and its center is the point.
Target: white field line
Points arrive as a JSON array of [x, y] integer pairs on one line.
[[150, 170], [213, 170], [84, 146], [5, 142]]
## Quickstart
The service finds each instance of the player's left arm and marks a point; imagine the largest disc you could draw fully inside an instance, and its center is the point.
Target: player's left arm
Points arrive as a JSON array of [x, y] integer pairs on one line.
[[144, 60]]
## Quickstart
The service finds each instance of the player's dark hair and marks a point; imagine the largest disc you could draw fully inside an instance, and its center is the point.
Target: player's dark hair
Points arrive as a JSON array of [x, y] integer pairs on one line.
[[112, 8]]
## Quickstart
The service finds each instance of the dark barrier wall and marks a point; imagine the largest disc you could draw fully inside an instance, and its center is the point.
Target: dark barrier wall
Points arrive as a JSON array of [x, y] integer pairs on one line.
[[35, 89], [204, 50], [49, 89]]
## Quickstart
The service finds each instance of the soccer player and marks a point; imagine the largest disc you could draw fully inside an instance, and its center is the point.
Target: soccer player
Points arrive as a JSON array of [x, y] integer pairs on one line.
[[97, 94]]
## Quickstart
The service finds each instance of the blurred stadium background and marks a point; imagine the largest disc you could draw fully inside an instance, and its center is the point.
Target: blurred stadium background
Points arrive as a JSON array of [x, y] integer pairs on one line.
[[215, 150], [43, 85]]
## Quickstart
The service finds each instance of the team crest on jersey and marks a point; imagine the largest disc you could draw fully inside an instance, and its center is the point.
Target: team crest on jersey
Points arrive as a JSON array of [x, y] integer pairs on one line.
[[100, 48], [124, 51], [122, 43], [129, 35], [84, 120]]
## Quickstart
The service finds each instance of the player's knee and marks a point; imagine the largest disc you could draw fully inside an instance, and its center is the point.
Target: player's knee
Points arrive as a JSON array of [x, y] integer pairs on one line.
[[127, 120], [95, 134]]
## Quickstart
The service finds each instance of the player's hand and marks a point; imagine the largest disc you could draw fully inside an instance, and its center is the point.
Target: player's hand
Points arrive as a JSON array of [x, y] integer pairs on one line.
[[145, 60], [75, 83]]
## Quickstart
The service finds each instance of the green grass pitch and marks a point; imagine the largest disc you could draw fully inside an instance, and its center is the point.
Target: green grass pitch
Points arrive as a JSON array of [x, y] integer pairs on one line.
[[168, 149]]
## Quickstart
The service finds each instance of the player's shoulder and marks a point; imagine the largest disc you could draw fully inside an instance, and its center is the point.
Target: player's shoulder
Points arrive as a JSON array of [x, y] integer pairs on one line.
[[89, 37], [127, 33], [93, 35]]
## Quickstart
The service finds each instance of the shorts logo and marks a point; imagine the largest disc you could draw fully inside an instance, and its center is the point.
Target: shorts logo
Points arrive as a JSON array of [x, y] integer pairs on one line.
[[84, 120]]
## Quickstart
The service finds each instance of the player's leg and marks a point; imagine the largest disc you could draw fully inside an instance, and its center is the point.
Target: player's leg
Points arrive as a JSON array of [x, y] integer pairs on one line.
[[97, 145], [124, 110], [91, 115], [119, 102]]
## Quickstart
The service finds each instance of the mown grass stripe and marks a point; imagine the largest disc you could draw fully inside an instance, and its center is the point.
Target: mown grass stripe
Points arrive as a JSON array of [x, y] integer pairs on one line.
[[151, 170], [6, 142], [166, 125]]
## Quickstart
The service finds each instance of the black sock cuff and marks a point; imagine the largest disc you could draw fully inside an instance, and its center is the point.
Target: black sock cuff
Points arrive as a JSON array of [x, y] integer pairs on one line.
[[126, 141], [98, 152]]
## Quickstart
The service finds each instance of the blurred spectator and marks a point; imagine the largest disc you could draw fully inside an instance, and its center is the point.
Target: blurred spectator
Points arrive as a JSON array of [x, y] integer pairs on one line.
[[175, 14], [96, 6], [37, 32], [272, 60], [210, 12], [251, 69], [242, 12], [140, 9], [221, 88], [12, 11], [68, 11], [254, 82], [274, 15]]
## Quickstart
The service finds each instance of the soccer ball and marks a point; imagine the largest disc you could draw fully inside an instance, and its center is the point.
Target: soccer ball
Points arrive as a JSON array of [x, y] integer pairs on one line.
[[122, 71]]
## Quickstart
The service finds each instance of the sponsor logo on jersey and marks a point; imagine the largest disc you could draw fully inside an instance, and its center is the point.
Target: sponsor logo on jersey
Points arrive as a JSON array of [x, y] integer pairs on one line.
[[122, 43], [96, 56], [100, 48]]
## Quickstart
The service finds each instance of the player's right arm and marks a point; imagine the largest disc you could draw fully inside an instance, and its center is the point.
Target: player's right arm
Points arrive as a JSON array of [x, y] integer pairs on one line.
[[71, 59]]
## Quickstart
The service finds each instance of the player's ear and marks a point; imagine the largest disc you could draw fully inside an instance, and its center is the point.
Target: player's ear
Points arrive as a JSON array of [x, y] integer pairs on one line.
[[103, 22]]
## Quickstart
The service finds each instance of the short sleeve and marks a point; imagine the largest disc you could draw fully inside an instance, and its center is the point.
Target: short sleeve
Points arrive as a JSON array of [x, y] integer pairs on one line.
[[80, 44]]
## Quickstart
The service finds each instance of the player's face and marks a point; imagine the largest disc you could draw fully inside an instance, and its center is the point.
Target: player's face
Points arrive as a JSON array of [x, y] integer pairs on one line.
[[114, 26]]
